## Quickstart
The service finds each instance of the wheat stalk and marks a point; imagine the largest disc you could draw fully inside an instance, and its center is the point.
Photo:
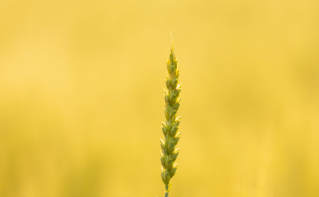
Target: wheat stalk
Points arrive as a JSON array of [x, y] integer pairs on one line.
[[170, 126]]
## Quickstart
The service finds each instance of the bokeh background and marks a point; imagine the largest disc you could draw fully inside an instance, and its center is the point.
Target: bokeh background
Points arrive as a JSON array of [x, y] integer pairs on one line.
[[81, 97]]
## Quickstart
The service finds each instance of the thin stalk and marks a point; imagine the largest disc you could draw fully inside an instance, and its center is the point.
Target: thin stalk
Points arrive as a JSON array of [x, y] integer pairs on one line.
[[166, 193]]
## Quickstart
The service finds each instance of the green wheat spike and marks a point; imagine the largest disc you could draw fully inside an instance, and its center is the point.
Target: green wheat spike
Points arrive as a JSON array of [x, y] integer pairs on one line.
[[170, 126]]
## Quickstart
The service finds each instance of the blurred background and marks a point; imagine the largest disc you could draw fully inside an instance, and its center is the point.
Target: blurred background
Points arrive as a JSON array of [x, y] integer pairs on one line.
[[81, 97]]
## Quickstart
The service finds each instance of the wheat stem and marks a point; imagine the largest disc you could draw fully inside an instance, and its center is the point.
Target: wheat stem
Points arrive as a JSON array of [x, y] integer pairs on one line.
[[167, 191]]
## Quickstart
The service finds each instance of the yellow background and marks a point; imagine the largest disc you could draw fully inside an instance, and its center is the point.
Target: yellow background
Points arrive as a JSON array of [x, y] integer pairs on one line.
[[81, 97]]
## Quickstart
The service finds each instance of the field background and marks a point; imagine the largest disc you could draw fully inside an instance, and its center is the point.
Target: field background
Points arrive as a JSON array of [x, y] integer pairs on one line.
[[81, 97]]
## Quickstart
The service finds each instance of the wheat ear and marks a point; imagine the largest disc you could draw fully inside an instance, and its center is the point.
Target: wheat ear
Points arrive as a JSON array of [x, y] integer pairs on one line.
[[170, 126]]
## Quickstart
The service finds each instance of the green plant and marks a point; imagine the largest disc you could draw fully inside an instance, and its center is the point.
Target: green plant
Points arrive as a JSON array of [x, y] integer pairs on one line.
[[170, 126]]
